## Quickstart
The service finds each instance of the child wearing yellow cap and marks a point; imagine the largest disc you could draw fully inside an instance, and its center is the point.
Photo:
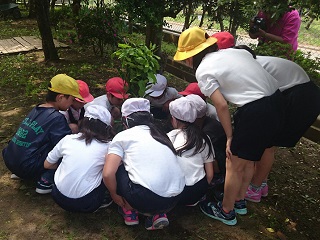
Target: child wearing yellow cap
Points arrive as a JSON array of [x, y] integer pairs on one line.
[[39, 132]]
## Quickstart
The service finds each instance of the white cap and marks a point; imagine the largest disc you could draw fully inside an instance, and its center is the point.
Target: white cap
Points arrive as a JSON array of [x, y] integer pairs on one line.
[[98, 112], [183, 109], [132, 105], [157, 88], [199, 104]]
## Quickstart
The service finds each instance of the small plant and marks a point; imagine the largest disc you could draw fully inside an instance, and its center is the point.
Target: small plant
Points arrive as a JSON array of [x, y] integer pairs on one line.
[[139, 66]]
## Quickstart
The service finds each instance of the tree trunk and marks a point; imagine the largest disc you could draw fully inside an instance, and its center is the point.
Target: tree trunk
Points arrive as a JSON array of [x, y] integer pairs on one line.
[[49, 49], [309, 22], [53, 4], [76, 7], [32, 9], [154, 36]]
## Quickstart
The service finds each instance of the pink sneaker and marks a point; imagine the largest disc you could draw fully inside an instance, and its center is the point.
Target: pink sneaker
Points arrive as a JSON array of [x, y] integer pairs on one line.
[[158, 221], [131, 217], [264, 191], [253, 196]]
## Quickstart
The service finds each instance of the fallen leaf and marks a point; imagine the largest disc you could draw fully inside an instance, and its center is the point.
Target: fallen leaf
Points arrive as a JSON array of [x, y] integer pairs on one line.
[[270, 230]]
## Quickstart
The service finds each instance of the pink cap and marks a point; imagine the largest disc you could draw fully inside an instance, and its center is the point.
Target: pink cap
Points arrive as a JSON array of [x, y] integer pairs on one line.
[[84, 92], [193, 88], [117, 87], [225, 39]]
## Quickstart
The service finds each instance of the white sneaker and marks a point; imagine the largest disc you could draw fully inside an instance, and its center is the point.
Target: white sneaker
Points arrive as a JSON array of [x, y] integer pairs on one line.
[[14, 177]]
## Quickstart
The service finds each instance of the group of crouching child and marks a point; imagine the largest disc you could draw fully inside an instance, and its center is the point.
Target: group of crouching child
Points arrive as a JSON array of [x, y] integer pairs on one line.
[[71, 147]]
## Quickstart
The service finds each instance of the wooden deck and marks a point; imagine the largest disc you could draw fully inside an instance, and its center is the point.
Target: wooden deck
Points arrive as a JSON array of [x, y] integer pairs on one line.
[[23, 44]]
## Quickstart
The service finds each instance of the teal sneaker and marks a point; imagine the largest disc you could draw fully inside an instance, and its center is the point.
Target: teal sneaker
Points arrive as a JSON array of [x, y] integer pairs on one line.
[[215, 211]]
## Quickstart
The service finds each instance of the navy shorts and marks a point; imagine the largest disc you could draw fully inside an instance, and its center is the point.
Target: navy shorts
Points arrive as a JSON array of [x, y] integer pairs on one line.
[[86, 204], [256, 125], [140, 198], [302, 109]]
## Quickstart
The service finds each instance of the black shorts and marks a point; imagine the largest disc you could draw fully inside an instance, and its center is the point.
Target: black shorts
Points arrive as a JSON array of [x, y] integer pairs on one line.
[[302, 109], [140, 198], [256, 125]]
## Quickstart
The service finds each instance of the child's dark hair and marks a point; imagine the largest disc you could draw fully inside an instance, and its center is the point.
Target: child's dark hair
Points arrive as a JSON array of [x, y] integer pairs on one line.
[[198, 57], [51, 96], [95, 129], [195, 139], [145, 118], [245, 47]]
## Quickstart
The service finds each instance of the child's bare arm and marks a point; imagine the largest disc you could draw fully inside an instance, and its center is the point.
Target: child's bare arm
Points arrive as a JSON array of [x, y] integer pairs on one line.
[[208, 167]]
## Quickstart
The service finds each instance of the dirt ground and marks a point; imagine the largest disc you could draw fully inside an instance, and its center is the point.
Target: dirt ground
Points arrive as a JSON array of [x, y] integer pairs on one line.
[[291, 211]]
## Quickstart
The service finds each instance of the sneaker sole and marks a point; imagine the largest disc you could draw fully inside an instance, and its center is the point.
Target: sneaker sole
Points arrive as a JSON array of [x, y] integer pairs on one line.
[[264, 195], [131, 223], [227, 222], [43, 191], [160, 223], [242, 211], [253, 200], [14, 177]]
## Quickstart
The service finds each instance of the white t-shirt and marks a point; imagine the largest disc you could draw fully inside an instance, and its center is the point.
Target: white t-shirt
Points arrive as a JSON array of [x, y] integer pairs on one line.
[[212, 112], [239, 77], [192, 166], [169, 94], [102, 101], [286, 72], [80, 170], [148, 162]]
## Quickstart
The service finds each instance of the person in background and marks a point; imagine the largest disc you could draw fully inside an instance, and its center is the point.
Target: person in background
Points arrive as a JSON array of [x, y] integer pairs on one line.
[[141, 171], [195, 152], [39, 132], [160, 95], [79, 160], [283, 29], [116, 93], [258, 119], [76, 111]]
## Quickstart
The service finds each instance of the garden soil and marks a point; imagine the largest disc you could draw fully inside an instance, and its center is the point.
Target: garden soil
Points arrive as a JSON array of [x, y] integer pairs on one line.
[[291, 210]]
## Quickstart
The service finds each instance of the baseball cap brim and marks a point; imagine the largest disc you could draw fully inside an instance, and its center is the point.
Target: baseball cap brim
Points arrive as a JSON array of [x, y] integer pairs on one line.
[[179, 56], [120, 95], [86, 99], [154, 93]]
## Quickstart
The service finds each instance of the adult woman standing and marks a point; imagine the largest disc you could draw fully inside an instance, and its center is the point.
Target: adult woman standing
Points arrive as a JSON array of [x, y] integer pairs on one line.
[[221, 76]]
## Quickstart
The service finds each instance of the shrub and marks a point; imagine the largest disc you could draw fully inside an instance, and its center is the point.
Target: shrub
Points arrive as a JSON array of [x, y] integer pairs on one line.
[[98, 28], [139, 66]]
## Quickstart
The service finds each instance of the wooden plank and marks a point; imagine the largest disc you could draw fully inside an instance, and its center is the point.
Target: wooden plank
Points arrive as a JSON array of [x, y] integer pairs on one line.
[[34, 41], [59, 44], [3, 49], [27, 45], [13, 46]]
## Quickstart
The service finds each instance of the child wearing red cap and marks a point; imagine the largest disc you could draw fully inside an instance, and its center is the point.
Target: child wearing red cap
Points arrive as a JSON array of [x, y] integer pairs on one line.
[[116, 93], [193, 88], [225, 40], [76, 111]]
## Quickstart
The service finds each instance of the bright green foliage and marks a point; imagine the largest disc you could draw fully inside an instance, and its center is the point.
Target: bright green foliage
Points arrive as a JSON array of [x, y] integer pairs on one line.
[[139, 66], [98, 28]]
